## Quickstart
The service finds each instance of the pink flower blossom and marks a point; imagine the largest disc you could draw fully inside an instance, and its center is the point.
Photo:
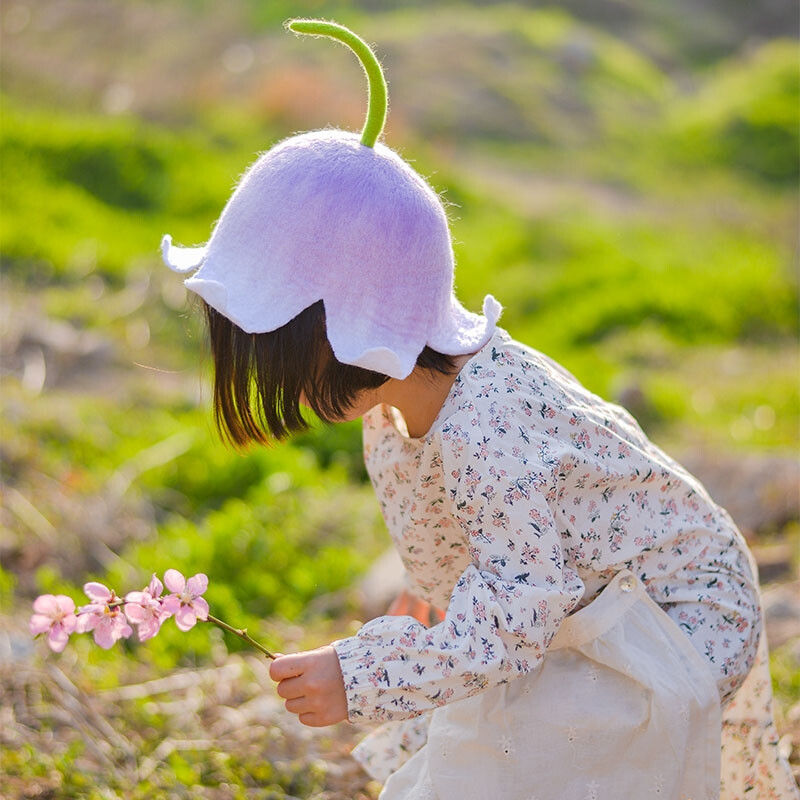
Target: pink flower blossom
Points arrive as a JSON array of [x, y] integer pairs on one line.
[[55, 616], [186, 603], [146, 609], [103, 616]]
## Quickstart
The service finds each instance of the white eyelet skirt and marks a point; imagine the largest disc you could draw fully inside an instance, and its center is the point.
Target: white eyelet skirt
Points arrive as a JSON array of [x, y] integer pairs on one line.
[[622, 707]]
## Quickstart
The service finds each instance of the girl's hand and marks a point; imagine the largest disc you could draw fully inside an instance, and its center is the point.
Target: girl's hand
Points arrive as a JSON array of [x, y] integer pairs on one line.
[[312, 685], [407, 604]]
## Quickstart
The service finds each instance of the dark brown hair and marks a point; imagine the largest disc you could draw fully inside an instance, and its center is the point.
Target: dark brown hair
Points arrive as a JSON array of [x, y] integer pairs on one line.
[[259, 377]]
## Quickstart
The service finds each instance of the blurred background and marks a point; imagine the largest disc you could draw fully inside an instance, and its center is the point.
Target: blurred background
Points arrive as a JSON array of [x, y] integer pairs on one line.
[[621, 175]]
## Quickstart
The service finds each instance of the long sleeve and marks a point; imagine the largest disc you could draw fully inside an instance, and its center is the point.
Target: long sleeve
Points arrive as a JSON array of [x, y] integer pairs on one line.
[[504, 608]]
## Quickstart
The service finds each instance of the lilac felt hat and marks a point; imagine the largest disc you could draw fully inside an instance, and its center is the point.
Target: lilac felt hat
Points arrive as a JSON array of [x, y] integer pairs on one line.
[[328, 215]]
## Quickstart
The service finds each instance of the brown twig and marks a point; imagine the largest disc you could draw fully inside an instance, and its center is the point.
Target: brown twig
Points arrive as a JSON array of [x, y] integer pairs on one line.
[[242, 634]]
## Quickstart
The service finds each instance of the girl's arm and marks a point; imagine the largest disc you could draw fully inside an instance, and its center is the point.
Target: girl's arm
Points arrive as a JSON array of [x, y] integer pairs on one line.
[[311, 683], [505, 607]]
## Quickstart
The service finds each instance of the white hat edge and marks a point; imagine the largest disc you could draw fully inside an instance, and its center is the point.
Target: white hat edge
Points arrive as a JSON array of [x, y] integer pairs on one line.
[[181, 259]]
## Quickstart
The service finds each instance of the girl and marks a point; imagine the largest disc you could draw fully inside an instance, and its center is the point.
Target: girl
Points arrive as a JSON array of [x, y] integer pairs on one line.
[[602, 622]]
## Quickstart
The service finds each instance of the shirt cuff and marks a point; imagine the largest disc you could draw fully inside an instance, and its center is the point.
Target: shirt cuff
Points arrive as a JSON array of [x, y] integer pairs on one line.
[[367, 682]]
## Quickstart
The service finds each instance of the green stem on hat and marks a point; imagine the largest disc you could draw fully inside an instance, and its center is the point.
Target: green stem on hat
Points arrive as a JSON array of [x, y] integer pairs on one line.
[[376, 83]]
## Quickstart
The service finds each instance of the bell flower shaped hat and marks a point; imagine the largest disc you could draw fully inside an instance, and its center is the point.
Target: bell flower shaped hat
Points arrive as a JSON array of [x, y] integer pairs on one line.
[[332, 216]]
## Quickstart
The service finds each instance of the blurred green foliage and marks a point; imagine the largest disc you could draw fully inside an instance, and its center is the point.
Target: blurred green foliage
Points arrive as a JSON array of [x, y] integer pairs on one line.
[[746, 116], [101, 186], [297, 533]]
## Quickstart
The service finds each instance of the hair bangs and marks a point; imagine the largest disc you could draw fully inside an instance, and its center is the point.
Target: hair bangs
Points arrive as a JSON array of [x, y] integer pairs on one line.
[[261, 380]]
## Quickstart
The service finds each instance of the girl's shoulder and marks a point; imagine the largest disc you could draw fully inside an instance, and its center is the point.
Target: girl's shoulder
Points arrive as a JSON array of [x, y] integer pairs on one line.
[[510, 391], [506, 372]]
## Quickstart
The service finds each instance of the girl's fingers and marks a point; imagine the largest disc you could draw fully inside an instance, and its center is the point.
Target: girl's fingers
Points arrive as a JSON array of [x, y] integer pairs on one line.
[[399, 606], [290, 688], [420, 610], [407, 604], [313, 720], [285, 667], [297, 705]]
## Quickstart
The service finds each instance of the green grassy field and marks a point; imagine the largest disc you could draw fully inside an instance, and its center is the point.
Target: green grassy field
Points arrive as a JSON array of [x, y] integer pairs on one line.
[[627, 192]]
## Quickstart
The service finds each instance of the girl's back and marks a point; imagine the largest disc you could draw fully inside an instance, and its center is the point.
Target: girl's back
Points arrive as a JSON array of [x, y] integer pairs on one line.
[[547, 485], [543, 518]]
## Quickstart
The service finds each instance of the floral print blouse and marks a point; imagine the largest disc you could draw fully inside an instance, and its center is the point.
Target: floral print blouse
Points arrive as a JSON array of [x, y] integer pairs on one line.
[[525, 498]]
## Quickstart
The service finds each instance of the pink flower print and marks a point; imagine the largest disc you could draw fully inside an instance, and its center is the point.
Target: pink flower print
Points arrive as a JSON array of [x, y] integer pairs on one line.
[[428, 481], [668, 507], [445, 561], [441, 697], [378, 676], [639, 499], [538, 522], [55, 616], [580, 439], [546, 412], [692, 503], [499, 518], [530, 553], [146, 609], [650, 477], [645, 542], [186, 602], [103, 616], [367, 660], [565, 466], [601, 431], [742, 625], [543, 614], [445, 664]]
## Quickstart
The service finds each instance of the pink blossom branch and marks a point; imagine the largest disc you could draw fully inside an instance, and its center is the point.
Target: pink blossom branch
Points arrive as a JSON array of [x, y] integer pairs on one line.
[[240, 632], [107, 615]]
